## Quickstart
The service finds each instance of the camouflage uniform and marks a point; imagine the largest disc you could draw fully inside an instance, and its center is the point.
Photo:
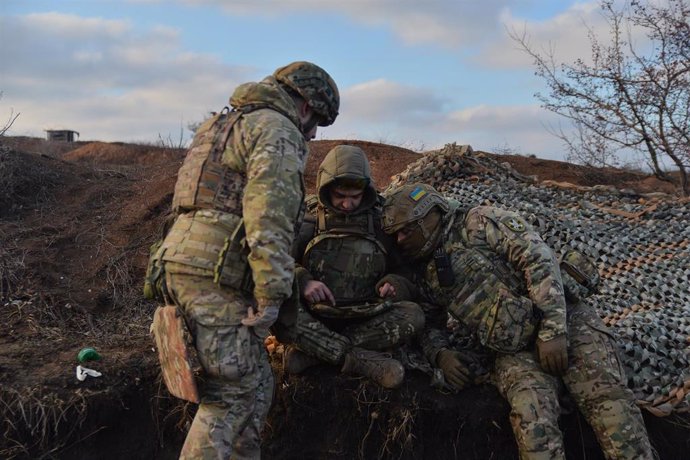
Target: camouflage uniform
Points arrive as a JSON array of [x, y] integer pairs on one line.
[[507, 289], [350, 254], [227, 253]]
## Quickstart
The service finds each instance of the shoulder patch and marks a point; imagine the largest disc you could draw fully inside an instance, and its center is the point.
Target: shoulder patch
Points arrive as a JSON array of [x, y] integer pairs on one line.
[[514, 223], [417, 193]]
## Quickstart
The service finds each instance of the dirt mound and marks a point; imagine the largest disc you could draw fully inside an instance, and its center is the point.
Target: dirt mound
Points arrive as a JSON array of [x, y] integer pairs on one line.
[[124, 154], [74, 240], [587, 176], [40, 146]]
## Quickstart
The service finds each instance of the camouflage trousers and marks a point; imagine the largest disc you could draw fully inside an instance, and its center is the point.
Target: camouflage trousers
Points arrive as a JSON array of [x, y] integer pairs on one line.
[[237, 386], [330, 339], [595, 380]]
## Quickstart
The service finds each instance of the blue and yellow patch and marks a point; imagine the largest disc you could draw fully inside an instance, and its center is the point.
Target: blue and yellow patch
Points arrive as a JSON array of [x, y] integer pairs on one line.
[[417, 193]]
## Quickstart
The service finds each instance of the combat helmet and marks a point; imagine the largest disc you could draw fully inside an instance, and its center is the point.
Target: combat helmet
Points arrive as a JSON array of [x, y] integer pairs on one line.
[[315, 86], [412, 204]]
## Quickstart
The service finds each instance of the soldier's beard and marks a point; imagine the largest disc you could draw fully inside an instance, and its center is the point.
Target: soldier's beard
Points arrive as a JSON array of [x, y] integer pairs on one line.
[[308, 126]]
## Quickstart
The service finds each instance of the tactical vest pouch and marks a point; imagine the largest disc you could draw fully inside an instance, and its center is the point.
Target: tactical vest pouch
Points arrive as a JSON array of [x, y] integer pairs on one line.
[[154, 280], [580, 276], [504, 321], [203, 181], [176, 353], [232, 268], [350, 265], [509, 324]]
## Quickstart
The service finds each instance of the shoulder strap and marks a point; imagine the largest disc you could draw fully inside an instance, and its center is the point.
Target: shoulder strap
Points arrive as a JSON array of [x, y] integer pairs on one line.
[[222, 139]]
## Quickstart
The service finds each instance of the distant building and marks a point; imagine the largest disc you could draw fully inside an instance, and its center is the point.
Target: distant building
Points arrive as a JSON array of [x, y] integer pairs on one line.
[[65, 135]]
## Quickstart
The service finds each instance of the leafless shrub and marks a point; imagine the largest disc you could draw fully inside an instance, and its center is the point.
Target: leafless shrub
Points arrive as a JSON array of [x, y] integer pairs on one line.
[[506, 149], [634, 95], [171, 143], [10, 120]]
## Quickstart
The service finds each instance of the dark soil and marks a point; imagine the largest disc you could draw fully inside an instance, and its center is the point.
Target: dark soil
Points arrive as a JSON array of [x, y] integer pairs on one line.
[[76, 221]]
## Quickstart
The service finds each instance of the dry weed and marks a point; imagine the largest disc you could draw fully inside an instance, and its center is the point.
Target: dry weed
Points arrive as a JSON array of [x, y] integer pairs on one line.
[[166, 408], [395, 424], [24, 182], [11, 267], [45, 419]]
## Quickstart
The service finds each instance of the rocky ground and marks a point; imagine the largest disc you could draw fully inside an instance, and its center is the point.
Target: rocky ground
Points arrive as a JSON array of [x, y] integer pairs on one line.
[[76, 221]]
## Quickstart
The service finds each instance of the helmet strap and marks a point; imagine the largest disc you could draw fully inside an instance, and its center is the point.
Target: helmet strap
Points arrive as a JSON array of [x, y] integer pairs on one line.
[[309, 125], [431, 238]]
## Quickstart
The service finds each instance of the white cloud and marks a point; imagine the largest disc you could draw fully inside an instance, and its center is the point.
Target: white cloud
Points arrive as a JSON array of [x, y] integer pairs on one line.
[[448, 23], [566, 35], [385, 111], [565, 32], [377, 99], [111, 81], [76, 27], [106, 79]]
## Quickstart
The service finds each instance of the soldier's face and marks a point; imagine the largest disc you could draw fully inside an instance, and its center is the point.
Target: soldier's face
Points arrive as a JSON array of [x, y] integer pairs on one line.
[[409, 238], [346, 199], [415, 239], [309, 121]]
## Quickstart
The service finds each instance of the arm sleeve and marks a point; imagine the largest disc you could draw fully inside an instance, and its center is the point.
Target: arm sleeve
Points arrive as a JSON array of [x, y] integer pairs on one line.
[[434, 336], [271, 203], [515, 240]]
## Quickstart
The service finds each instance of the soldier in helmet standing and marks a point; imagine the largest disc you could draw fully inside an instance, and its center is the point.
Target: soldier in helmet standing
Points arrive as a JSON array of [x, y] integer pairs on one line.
[[351, 310], [226, 256], [499, 279]]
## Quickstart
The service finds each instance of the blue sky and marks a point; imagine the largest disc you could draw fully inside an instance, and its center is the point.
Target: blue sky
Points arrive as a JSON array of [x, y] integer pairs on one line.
[[413, 73]]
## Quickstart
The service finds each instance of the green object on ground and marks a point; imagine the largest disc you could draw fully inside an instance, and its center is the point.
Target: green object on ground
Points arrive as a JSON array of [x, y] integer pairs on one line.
[[88, 354]]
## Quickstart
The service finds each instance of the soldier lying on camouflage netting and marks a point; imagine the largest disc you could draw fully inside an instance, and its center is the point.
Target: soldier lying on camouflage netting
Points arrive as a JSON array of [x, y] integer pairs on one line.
[[499, 279]]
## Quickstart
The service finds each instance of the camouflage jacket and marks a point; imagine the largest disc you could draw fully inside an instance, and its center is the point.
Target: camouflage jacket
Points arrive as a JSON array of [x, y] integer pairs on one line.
[[269, 152], [507, 252]]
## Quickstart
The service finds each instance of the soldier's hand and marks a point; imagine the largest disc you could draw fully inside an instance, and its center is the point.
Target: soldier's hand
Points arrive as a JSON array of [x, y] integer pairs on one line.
[[455, 372], [395, 287], [387, 290], [317, 292], [265, 317], [553, 354]]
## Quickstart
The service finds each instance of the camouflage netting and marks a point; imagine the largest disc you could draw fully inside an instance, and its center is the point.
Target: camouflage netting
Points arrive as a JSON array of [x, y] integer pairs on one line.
[[639, 242]]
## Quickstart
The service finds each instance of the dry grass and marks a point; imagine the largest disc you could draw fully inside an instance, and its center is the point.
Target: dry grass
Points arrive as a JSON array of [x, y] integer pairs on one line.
[[11, 268], [166, 409], [24, 182], [44, 419]]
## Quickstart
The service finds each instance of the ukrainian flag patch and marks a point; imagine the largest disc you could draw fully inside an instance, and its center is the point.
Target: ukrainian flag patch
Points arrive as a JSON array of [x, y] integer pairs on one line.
[[417, 193]]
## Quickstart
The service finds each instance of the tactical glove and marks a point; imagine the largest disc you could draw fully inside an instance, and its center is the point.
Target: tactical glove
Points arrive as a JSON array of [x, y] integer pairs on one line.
[[266, 316], [455, 372], [553, 354], [404, 288]]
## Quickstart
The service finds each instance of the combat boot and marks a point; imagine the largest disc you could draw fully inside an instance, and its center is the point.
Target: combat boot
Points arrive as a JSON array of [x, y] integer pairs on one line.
[[379, 367], [295, 361]]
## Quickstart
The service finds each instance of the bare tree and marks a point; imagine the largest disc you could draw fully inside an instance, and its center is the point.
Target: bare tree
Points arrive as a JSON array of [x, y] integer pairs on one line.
[[632, 95], [10, 120]]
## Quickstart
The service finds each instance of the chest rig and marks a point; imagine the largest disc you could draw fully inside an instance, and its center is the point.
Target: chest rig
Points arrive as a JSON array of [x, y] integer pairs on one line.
[[345, 253], [488, 295], [204, 182]]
